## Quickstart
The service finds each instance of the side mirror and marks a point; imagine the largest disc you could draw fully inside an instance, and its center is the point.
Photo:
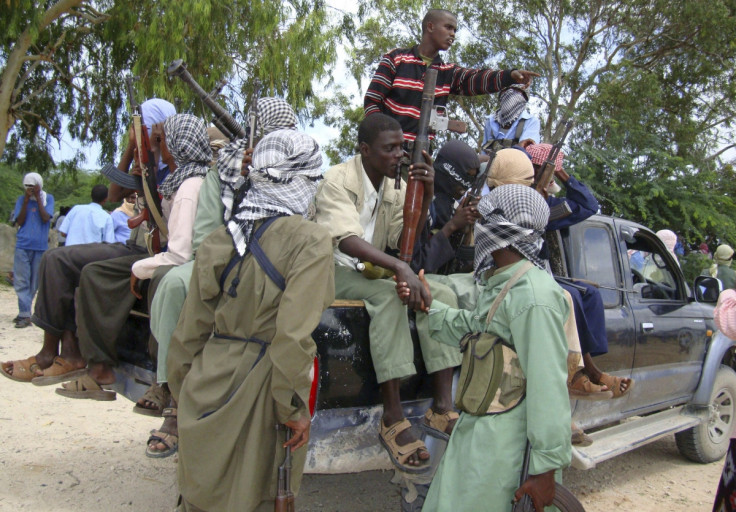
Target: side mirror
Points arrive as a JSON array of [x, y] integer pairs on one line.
[[707, 289]]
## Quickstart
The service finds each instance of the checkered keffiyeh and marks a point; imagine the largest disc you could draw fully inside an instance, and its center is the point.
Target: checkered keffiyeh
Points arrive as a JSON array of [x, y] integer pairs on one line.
[[189, 144], [286, 168], [512, 102], [511, 215], [540, 152], [273, 114]]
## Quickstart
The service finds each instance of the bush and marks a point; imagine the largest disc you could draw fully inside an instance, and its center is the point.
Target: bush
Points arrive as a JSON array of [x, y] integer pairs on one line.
[[693, 265]]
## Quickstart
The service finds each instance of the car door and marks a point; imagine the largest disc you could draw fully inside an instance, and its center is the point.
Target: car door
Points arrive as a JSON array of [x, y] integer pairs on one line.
[[670, 329]]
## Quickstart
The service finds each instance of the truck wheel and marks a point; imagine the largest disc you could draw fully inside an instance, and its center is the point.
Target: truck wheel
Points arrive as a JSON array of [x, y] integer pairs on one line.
[[564, 500], [709, 441]]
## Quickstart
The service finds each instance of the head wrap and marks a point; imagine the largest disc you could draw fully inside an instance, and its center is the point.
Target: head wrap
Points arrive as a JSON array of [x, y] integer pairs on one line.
[[725, 313], [273, 114], [703, 247], [189, 144], [669, 239], [540, 152], [512, 215], [156, 111], [453, 161], [722, 256], [510, 166], [33, 178], [511, 103], [286, 168]]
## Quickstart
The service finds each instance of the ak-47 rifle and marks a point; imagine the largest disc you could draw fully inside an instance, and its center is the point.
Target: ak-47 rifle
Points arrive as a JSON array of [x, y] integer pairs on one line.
[[544, 176], [284, 496], [525, 503], [222, 120], [463, 241], [152, 213], [415, 188]]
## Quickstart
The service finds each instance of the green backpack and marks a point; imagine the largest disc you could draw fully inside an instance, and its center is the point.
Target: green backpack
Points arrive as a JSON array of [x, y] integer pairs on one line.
[[491, 379]]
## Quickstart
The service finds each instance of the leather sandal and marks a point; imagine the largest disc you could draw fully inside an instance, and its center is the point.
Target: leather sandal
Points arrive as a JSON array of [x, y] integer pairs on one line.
[[614, 384], [582, 388], [435, 424], [157, 395], [24, 370], [60, 371], [169, 439], [399, 454]]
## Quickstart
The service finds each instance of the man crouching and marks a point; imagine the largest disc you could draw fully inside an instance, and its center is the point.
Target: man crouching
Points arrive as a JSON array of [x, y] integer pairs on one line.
[[240, 357]]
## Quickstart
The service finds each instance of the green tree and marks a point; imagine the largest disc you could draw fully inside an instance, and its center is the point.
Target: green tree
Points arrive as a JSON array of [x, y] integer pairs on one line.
[[649, 84], [64, 61]]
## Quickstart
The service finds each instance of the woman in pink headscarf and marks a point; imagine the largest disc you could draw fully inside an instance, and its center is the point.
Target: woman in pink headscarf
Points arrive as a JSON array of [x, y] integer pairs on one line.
[[669, 238]]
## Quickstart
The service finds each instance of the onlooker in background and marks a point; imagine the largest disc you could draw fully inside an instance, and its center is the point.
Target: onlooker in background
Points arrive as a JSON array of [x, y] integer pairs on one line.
[[121, 215], [669, 238], [703, 248], [63, 211], [721, 267], [32, 214], [89, 223]]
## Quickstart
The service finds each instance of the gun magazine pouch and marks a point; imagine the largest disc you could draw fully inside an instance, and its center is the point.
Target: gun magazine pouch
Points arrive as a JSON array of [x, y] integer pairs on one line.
[[491, 379]]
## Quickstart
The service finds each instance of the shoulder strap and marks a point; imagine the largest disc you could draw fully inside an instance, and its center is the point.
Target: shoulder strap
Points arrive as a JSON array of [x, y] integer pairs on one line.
[[260, 257], [511, 282], [519, 130], [263, 260]]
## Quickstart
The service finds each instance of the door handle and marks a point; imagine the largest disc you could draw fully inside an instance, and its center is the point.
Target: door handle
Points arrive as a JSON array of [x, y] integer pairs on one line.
[[647, 326]]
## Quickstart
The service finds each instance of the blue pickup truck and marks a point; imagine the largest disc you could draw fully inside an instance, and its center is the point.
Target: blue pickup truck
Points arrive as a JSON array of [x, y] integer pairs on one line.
[[660, 331]]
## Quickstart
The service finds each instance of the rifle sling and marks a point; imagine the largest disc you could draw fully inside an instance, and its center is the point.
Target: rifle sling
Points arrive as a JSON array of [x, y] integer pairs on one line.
[[150, 202]]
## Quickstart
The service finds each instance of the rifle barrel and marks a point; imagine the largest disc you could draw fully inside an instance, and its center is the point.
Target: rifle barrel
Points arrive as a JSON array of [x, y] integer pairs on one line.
[[223, 117]]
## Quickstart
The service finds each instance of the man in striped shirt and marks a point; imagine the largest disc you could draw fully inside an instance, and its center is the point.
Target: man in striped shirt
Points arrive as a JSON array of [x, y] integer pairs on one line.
[[396, 87]]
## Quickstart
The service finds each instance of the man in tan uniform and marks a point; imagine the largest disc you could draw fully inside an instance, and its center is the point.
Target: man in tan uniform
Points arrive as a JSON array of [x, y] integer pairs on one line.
[[240, 358], [358, 203]]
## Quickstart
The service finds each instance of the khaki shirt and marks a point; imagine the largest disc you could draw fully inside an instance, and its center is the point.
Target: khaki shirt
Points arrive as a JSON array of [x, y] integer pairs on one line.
[[340, 198]]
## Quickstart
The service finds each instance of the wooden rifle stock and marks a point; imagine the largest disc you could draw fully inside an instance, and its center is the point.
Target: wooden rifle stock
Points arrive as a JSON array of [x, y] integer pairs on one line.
[[284, 501], [415, 188], [222, 120], [548, 169], [155, 220], [139, 219]]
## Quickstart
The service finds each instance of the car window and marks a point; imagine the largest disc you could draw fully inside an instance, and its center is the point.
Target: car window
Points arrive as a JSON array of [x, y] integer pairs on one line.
[[598, 263], [652, 272]]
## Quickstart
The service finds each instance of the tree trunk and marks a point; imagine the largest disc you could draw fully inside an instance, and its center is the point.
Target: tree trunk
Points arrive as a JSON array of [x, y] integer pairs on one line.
[[14, 65]]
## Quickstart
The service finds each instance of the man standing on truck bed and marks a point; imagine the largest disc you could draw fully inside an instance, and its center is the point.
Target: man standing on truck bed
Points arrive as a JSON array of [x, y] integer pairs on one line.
[[357, 202], [396, 86]]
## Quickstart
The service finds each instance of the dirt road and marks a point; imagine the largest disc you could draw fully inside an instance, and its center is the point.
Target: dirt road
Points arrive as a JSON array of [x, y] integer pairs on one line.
[[59, 454]]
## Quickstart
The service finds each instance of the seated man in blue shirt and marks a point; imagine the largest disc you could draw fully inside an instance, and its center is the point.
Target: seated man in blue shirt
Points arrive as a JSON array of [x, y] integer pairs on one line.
[[512, 124]]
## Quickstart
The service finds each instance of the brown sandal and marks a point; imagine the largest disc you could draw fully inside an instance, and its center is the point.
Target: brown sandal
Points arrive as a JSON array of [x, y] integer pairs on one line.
[[24, 370], [60, 371], [436, 424], [156, 394], [400, 453], [85, 387], [614, 384], [169, 439], [582, 388]]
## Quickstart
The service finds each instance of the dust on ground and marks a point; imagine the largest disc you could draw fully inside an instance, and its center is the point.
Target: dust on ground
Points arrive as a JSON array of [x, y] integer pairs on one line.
[[60, 454]]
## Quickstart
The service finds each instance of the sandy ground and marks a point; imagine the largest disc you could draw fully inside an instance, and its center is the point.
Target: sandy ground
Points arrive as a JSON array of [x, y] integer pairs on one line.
[[59, 454]]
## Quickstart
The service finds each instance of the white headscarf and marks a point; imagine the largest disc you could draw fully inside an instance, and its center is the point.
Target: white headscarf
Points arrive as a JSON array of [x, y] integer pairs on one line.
[[33, 178]]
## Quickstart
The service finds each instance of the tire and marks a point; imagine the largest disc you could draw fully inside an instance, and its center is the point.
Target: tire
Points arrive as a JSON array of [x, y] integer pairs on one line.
[[564, 500], [709, 441]]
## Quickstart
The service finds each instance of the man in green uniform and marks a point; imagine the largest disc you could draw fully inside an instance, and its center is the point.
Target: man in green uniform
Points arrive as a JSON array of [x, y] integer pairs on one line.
[[721, 267], [481, 468], [358, 203], [241, 356]]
